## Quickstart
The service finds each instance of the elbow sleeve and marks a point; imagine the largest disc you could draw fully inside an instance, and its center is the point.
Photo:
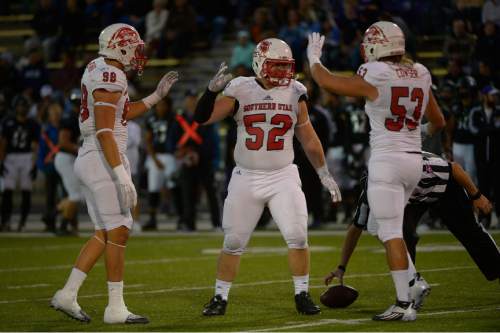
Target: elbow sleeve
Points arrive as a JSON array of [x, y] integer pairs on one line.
[[205, 106]]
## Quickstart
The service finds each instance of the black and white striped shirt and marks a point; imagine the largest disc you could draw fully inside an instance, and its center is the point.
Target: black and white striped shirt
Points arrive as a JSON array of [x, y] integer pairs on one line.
[[436, 173], [435, 176]]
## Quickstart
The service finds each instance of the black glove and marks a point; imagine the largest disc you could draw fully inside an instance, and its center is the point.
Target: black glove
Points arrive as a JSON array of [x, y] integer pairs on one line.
[[33, 172]]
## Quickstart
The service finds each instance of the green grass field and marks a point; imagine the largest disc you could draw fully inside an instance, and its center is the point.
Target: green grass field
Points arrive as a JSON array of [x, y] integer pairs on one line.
[[170, 277]]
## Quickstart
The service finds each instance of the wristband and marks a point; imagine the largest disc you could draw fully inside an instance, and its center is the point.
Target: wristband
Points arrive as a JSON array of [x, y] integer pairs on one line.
[[475, 196], [341, 267], [151, 100], [323, 171]]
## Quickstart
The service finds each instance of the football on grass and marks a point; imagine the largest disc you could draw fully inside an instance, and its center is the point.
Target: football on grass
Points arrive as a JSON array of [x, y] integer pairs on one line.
[[339, 296]]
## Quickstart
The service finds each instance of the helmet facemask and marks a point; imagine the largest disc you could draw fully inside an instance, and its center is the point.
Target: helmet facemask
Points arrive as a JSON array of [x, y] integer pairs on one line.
[[278, 72], [138, 62]]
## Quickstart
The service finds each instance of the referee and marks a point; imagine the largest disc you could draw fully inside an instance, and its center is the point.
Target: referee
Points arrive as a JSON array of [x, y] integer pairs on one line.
[[448, 189]]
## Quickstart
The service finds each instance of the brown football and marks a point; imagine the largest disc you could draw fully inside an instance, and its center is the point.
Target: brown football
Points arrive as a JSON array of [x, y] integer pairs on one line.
[[339, 296]]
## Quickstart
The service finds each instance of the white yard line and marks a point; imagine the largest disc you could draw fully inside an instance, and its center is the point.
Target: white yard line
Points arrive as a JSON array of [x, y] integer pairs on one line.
[[236, 285], [27, 286], [322, 322]]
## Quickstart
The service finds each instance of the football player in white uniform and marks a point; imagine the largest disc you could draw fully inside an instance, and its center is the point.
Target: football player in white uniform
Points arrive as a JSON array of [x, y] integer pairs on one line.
[[268, 109], [397, 92], [103, 168]]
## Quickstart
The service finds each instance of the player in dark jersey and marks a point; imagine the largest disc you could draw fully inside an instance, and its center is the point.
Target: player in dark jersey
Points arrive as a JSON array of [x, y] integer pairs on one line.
[[18, 148], [159, 163], [463, 138], [69, 137]]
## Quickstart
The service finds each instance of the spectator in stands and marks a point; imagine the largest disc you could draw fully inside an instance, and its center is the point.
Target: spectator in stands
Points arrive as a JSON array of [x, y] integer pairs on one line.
[[455, 73], [179, 31], [243, 51], [485, 76], [156, 21], [9, 77], [491, 11], [48, 148], [280, 11], [69, 75], [310, 15], [72, 26], [92, 15], [115, 11], [34, 74], [197, 149], [295, 35], [460, 43], [212, 19], [46, 25], [485, 120], [488, 45], [263, 25]]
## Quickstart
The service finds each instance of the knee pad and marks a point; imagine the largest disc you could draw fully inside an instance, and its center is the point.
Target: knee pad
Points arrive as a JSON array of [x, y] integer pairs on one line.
[[235, 244], [296, 238], [387, 209]]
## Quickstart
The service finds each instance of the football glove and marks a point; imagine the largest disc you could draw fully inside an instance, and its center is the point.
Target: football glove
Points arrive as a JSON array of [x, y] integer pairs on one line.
[[220, 80], [126, 187], [330, 184], [314, 46], [166, 82]]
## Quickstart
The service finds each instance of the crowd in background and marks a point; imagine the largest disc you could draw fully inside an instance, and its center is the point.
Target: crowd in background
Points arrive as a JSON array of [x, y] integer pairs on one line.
[[202, 156]]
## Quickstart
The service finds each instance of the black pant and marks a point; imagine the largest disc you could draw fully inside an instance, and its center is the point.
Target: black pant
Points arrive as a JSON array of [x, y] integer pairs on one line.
[[457, 213], [190, 180]]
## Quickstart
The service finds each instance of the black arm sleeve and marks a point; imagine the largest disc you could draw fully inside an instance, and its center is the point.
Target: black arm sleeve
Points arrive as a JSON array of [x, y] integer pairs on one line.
[[205, 106]]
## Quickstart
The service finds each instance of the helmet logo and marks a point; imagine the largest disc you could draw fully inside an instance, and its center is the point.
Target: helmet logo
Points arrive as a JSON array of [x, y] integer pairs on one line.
[[375, 35], [123, 37], [264, 46]]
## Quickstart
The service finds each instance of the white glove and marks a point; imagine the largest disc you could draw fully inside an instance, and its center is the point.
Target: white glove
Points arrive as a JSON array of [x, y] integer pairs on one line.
[[127, 188], [220, 80], [166, 82], [328, 182], [314, 47]]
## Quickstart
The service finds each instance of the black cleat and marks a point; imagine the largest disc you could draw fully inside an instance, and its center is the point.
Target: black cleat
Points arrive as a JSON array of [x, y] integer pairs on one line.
[[305, 304], [216, 307]]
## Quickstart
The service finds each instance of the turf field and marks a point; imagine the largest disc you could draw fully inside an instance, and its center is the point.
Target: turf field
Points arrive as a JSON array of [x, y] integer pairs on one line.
[[170, 277]]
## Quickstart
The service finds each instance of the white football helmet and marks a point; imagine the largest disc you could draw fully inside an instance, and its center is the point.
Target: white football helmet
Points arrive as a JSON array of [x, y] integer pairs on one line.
[[273, 61], [382, 39], [123, 43]]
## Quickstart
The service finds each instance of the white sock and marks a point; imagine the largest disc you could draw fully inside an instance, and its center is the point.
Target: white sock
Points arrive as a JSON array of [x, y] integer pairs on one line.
[[301, 283], [222, 288], [75, 280], [400, 279], [411, 269], [115, 292]]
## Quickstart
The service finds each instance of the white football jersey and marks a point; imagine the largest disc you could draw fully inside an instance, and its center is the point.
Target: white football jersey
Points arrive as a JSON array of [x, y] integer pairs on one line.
[[403, 94], [266, 120], [99, 75]]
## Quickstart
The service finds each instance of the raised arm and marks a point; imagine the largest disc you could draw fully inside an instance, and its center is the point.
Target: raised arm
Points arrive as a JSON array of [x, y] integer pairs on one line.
[[209, 110], [347, 86], [314, 151], [104, 112], [137, 109]]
